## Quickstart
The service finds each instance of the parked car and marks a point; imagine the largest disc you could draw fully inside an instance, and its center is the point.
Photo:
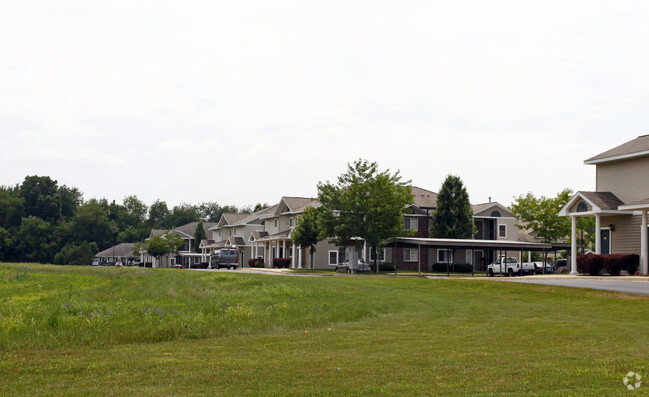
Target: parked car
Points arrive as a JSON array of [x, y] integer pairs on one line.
[[543, 268], [561, 266], [362, 266], [224, 257], [178, 266], [95, 263], [509, 267]]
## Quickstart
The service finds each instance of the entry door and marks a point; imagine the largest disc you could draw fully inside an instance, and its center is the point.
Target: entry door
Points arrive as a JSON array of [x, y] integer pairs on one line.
[[606, 241]]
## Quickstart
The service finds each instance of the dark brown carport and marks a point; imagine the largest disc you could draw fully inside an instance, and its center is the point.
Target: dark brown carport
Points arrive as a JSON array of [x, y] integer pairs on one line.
[[499, 245]]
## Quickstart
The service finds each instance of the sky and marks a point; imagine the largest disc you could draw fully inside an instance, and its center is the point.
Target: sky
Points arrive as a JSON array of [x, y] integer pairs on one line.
[[243, 102]]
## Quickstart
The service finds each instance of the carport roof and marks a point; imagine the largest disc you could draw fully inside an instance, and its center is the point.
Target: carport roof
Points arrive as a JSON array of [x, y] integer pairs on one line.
[[473, 244]]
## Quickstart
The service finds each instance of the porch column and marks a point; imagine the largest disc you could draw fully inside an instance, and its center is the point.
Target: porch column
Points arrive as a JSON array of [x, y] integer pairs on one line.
[[643, 244], [573, 246], [299, 257], [598, 234], [292, 256]]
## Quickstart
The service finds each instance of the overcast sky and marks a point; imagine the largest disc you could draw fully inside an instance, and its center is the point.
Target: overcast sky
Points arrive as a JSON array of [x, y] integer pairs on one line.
[[241, 102]]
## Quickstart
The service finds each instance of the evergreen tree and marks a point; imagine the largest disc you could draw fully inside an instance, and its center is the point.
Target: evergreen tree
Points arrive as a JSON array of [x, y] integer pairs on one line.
[[199, 235], [453, 217]]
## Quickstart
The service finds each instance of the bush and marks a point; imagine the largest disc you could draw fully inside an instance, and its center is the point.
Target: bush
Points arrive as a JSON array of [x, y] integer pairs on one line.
[[457, 268], [282, 262], [617, 262], [612, 263], [591, 264], [203, 265], [256, 262], [383, 267]]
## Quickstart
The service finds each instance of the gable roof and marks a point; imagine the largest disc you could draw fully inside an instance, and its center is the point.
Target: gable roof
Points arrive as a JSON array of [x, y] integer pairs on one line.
[[424, 198], [600, 202], [190, 228], [291, 205], [123, 249], [635, 148], [484, 207]]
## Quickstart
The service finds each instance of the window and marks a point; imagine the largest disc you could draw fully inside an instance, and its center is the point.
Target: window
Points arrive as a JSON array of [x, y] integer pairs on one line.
[[381, 257], [410, 224], [197, 260], [234, 232], [290, 222], [495, 214], [444, 256], [333, 258], [219, 233], [410, 254], [275, 222], [502, 231], [582, 207]]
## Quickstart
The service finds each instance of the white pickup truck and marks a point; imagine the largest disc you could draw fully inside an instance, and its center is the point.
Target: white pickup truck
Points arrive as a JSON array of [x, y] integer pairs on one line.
[[510, 267]]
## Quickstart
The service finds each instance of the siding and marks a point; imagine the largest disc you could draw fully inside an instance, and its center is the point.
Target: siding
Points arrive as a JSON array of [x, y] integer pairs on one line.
[[626, 237], [628, 180]]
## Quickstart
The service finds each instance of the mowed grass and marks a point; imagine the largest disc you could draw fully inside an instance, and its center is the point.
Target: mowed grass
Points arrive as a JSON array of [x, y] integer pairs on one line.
[[118, 331]]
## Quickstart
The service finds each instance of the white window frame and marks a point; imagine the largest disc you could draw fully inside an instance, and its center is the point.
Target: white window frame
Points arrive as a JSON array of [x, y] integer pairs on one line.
[[290, 222], [381, 256], [469, 257], [329, 257], [408, 223], [234, 231], [197, 260], [446, 253], [275, 223], [410, 254], [504, 226]]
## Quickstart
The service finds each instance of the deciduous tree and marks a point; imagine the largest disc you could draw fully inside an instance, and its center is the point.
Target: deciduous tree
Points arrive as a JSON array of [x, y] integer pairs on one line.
[[541, 215], [365, 203], [306, 232]]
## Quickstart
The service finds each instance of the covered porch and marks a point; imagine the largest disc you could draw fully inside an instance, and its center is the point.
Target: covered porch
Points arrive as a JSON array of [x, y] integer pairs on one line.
[[611, 215]]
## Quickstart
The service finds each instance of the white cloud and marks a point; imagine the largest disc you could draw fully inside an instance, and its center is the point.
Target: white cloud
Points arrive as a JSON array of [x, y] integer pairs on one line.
[[160, 99]]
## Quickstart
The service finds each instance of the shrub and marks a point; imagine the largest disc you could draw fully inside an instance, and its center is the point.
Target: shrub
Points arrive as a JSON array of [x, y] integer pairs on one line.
[[458, 267], [256, 262], [612, 263], [383, 267], [631, 263], [282, 262], [590, 263], [615, 263], [203, 265]]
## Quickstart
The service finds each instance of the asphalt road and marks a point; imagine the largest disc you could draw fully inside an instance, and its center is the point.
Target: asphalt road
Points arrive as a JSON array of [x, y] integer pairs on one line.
[[640, 287]]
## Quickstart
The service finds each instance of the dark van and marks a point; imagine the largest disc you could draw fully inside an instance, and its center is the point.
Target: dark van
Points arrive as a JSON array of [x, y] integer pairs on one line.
[[224, 257]]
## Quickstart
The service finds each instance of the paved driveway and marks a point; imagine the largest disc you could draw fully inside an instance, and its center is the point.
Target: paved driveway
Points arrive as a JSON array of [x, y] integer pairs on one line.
[[633, 285]]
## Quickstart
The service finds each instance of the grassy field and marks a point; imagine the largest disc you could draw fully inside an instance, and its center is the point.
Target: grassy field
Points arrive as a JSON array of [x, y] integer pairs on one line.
[[116, 331]]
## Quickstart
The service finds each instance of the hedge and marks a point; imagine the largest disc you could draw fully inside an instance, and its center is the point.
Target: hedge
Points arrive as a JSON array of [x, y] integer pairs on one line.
[[383, 267], [282, 262], [256, 262], [593, 264], [457, 268]]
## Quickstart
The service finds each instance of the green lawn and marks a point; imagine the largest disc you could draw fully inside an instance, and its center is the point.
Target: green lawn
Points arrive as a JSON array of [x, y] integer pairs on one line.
[[118, 331]]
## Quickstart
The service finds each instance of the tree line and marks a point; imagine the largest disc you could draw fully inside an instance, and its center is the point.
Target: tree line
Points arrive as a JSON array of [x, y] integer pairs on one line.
[[41, 221]]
